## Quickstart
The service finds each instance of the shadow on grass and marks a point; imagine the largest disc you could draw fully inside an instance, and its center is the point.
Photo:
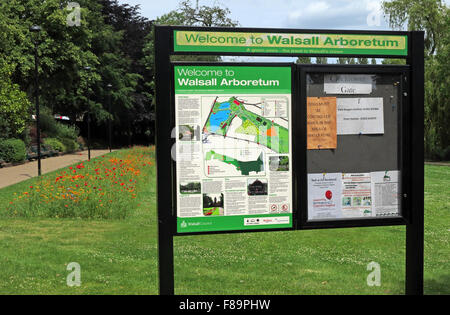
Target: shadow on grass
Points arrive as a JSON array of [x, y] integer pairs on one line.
[[437, 286]]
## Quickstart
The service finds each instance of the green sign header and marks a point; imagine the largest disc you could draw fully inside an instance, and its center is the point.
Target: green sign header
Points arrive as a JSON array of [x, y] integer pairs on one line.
[[232, 79], [284, 43]]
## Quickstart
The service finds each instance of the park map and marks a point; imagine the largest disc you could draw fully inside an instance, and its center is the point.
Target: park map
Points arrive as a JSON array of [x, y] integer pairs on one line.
[[265, 132]]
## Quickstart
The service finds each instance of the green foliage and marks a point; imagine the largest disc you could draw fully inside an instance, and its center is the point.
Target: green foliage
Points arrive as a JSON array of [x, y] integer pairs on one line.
[[49, 126], [14, 105], [433, 17], [303, 60], [65, 135], [393, 62], [13, 150], [133, 251], [321, 60], [189, 15], [113, 39], [67, 132], [55, 144], [204, 15], [428, 15], [70, 145]]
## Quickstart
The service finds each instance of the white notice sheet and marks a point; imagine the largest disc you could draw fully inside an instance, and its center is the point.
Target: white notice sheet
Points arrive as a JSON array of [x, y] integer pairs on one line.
[[348, 84], [360, 116], [386, 193], [356, 195], [324, 196]]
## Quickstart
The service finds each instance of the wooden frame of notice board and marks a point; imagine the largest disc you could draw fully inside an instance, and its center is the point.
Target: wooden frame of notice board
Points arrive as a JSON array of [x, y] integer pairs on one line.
[[402, 149]]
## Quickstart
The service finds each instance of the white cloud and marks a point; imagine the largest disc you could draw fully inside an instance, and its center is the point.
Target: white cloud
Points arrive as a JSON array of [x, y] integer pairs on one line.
[[340, 14], [323, 14]]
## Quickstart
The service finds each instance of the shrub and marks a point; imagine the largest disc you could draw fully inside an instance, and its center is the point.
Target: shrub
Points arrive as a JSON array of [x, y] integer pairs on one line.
[[82, 143], [70, 145], [55, 129], [13, 150], [49, 125], [55, 144], [68, 132]]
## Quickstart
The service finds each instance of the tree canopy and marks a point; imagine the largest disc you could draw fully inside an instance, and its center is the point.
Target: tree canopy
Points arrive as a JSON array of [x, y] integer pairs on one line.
[[431, 16], [113, 40]]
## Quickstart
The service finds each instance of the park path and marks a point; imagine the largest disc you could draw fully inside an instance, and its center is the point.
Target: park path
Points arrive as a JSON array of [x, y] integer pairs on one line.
[[17, 174]]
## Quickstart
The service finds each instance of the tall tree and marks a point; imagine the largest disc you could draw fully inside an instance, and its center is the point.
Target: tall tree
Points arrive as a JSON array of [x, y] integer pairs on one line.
[[303, 60], [431, 16], [428, 15], [14, 106], [362, 61], [196, 15], [187, 14]]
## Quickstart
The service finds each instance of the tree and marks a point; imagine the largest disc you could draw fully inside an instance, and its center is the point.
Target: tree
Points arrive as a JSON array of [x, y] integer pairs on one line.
[[14, 106], [123, 69], [431, 16], [186, 15], [362, 61], [303, 60], [63, 51], [204, 15]]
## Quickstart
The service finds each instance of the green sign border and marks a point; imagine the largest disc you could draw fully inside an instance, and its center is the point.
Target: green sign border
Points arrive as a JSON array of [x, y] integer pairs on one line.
[[281, 73], [291, 50], [229, 223]]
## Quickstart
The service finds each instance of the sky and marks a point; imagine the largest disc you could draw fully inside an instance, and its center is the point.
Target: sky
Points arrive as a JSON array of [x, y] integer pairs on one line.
[[295, 14], [319, 14]]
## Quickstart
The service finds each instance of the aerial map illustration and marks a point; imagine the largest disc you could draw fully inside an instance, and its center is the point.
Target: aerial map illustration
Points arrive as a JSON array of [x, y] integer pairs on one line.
[[265, 131], [237, 132]]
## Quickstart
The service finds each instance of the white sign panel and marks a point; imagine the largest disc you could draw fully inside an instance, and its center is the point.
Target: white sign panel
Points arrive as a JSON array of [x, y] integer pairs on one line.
[[348, 84], [356, 195], [324, 196], [385, 193], [360, 116]]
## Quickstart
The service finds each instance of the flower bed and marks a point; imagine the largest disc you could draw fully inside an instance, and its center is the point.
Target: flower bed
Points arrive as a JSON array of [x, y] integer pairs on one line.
[[104, 188]]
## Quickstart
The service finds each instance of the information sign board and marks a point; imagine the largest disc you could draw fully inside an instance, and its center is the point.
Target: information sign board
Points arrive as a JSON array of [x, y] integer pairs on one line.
[[233, 147]]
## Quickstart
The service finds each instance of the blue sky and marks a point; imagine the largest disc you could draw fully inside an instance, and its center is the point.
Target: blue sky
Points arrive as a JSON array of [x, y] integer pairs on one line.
[[305, 14], [319, 14]]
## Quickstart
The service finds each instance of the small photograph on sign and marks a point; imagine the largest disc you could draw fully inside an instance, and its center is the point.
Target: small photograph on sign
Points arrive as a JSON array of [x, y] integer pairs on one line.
[[279, 163], [212, 204], [189, 188], [257, 187], [189, 133]]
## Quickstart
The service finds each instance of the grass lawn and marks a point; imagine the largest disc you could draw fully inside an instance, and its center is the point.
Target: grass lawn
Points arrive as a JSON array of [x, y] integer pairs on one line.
[[120, 256]]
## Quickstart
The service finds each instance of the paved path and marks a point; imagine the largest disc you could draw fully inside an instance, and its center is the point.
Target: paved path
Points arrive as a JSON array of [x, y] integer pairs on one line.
[[438, 163], [17, 174]]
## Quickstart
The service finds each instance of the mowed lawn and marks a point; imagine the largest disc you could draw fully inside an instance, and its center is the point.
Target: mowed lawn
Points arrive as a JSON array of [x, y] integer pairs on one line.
[[120, 256]]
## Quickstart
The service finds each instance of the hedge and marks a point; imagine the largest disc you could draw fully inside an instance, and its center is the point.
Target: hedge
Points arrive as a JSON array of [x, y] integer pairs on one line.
[[70, 145], [55, 144], [13, 150]]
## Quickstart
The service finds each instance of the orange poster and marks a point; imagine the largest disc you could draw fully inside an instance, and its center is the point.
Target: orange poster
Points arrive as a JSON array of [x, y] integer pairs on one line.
[[322, 123]]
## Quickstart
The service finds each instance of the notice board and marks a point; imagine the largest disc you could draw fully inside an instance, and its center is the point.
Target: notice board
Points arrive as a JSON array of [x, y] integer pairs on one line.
[[361, 178]]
